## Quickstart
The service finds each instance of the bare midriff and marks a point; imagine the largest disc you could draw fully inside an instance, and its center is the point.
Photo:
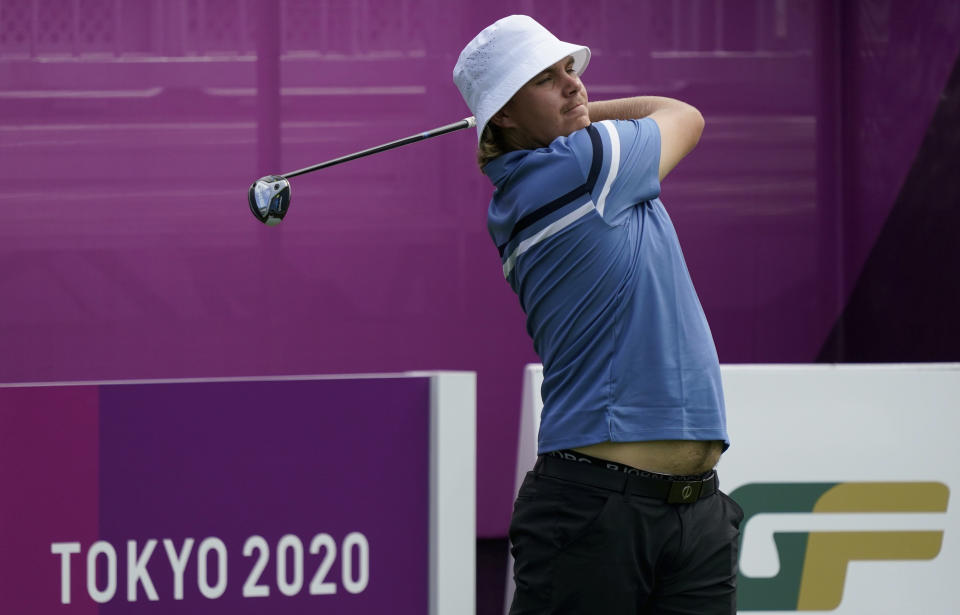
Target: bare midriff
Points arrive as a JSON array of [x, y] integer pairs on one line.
[[661, 456]]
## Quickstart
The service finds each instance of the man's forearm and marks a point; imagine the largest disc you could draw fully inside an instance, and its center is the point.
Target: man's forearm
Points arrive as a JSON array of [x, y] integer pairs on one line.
[[632, 108], [680, 125]]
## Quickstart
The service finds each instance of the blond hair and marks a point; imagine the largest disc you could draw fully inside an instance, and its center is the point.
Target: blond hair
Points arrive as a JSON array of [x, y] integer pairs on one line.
[[492, 144]]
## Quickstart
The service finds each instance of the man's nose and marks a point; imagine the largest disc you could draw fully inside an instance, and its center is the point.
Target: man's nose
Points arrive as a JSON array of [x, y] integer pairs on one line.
[[571, 84]]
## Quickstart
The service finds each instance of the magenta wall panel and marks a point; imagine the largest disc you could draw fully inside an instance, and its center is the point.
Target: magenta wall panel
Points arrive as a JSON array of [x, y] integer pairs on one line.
[[49, 487]]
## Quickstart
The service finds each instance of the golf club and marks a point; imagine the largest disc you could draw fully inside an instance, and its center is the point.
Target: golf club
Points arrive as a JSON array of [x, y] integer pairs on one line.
[[269, 196]]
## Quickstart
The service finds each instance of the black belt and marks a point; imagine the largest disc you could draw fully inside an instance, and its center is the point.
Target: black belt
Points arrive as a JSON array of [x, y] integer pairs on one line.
[[668, 490]]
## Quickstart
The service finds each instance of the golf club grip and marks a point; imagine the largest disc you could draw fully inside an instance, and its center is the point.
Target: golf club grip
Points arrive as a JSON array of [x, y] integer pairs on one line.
[[464, 123]]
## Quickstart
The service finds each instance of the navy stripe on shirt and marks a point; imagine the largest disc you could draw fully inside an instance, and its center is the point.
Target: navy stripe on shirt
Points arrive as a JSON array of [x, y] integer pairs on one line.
[[586, 188]]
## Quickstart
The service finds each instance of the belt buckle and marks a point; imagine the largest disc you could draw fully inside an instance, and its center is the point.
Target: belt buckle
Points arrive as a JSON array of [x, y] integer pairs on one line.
[[684, 492]]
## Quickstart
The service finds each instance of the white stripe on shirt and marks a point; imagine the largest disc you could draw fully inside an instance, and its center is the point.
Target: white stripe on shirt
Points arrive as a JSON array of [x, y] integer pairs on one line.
[[551, 229], [614, 163]]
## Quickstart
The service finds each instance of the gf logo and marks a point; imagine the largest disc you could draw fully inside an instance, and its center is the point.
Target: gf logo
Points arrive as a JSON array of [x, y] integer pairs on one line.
[[813, 565]]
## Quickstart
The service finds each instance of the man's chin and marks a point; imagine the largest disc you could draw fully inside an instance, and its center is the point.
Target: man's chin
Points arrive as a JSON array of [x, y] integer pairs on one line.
[[581, 123]]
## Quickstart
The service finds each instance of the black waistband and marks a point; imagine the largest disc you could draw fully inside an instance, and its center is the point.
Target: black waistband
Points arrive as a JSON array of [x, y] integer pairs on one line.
[[671, 489], [572, 455]]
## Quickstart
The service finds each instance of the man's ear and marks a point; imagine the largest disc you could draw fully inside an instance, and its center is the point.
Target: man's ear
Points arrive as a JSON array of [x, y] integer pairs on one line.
[[502, 119]]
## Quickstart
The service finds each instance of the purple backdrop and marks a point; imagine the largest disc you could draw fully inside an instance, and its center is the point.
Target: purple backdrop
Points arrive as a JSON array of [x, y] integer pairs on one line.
[[129, 133], [229, 460]]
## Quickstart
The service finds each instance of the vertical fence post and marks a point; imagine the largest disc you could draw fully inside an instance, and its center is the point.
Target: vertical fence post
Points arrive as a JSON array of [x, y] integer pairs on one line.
[[829, 67], [268, 86]]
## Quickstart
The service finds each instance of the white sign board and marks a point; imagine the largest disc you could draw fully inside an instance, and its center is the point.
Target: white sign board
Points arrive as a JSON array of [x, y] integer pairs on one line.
[[845, 475]]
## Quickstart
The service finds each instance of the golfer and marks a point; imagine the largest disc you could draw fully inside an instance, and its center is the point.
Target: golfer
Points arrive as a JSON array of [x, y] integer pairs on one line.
[[622, 511]]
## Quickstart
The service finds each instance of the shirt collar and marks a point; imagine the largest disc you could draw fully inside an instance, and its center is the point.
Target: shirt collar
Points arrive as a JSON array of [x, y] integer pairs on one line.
[[500, 168]]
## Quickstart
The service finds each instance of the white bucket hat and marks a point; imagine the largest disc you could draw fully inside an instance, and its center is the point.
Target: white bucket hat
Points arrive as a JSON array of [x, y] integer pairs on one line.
[[503, 57]]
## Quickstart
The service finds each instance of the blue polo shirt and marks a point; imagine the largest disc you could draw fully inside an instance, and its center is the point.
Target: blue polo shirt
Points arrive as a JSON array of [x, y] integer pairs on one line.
[[593, 257]]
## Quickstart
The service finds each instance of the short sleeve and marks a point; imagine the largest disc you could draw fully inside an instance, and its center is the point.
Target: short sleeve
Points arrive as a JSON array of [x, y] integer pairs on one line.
[[630, 169]]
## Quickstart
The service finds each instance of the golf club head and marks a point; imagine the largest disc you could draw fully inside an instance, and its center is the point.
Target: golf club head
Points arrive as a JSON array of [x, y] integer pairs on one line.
[[269, 199]]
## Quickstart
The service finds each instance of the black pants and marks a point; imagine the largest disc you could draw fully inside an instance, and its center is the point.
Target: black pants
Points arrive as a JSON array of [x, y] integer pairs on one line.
[[593, 541]]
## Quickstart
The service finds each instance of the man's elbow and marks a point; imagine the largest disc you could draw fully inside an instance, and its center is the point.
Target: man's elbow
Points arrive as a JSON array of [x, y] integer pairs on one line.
[[696, 124], [690, 129]]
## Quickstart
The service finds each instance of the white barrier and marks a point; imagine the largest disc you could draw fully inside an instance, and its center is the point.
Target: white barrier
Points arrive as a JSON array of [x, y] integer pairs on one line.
[[844, 473]]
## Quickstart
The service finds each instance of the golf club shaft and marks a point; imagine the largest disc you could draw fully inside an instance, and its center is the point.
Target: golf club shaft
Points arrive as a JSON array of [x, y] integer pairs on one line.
[[464, 123]]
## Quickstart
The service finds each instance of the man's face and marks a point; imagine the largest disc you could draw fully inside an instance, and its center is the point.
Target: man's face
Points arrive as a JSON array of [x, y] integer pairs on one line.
[[552, 104]]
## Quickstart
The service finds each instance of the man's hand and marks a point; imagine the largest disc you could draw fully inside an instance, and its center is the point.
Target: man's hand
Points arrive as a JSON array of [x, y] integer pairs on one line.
[[680, 124]]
